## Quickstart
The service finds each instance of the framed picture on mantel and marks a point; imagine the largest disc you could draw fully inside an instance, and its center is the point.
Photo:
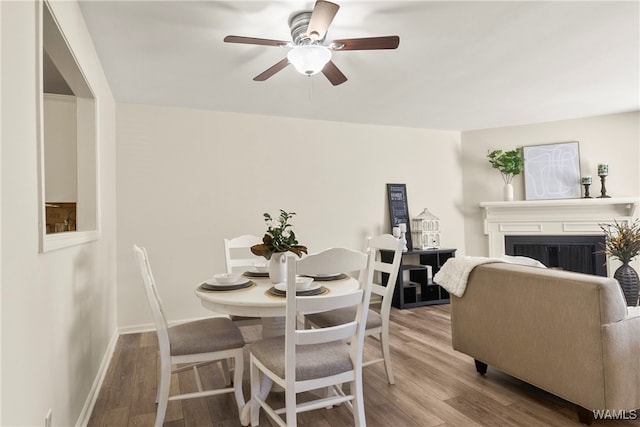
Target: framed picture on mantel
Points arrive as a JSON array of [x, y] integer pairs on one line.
[[399, 208], [552, 171]]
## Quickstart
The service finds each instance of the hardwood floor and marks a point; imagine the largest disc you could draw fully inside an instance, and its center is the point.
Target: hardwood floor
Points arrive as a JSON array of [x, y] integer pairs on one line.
[[435, 386]]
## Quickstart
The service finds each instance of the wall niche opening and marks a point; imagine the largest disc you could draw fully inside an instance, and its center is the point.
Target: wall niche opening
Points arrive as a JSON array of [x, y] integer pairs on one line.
[[67, 141]]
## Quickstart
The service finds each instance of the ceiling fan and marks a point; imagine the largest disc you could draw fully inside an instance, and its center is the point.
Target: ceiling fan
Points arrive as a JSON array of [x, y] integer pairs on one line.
[[310, 54]]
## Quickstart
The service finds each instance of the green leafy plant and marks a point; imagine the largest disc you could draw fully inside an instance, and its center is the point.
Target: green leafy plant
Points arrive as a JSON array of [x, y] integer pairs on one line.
[[279, 237], [622, 240], [509, 163]]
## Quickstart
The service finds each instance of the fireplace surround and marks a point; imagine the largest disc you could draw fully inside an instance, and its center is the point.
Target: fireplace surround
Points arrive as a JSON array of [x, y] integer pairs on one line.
[[554, 221]]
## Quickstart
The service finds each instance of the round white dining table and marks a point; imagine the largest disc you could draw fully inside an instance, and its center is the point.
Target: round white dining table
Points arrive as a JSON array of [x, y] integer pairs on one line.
[[256, 301]]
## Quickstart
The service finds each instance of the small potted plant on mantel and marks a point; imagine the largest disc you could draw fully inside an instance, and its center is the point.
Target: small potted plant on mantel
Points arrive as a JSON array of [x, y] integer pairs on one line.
[[509, 163], [277, 241]]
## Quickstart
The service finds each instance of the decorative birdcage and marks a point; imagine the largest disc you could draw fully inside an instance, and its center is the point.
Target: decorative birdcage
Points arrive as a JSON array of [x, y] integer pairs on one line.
[[425, 230]]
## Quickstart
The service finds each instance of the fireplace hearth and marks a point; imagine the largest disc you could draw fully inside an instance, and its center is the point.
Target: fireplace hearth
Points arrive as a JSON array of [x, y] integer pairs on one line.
[[581, 254]]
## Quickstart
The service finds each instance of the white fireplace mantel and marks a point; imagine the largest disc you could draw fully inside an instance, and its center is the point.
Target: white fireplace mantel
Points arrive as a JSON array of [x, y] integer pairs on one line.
[[552, 217]]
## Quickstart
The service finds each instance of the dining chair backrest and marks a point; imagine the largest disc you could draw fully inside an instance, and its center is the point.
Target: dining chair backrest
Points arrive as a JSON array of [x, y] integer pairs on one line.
[[327, 262], [385, 273], [153, 297], [237, 252]]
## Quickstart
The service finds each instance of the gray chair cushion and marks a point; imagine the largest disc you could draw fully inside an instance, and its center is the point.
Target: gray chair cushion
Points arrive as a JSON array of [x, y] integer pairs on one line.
[[343, 315], [312, 361], [204, 336]]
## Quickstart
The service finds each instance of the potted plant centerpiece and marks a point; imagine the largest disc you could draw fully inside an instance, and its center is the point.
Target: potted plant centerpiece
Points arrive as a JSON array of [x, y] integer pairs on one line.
[[277, 241], [510, 164], [622, 241]]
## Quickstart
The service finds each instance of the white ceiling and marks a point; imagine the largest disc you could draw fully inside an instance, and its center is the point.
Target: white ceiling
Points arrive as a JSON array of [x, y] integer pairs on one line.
[[460, 65]]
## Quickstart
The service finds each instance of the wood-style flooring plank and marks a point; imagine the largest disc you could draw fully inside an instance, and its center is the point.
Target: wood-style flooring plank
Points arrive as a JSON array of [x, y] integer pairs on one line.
[[145, 384]]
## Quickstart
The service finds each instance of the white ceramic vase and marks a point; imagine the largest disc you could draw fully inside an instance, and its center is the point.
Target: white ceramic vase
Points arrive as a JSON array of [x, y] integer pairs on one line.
[[278, 267], [507, 192]]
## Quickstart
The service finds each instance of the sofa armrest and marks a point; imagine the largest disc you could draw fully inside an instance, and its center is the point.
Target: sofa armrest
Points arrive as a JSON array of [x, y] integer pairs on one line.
[[621, 354]]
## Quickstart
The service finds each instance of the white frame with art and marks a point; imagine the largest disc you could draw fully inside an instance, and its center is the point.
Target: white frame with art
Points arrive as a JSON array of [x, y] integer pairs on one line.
[[552, 171]]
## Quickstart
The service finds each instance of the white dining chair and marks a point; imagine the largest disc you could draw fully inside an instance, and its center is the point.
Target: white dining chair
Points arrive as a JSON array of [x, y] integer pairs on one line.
[[384, 277], [311, 359], [237, 253], [238, 257], [195, 343]]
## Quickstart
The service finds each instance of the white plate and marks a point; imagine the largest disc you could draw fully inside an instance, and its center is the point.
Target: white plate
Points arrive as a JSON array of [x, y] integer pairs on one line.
[[325, 276], [226, 278], [282, 287], [239, 281]]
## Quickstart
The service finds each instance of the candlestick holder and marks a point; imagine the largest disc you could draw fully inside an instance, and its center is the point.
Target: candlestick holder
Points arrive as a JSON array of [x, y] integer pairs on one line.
[[603, 189], [586, 191]]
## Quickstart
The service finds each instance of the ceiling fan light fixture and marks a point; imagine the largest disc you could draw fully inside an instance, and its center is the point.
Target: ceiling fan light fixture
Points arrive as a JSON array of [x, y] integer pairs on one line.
[[309, 59]]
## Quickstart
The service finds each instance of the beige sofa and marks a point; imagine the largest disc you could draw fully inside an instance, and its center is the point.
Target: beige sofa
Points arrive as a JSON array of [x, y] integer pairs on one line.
[[567, 333]]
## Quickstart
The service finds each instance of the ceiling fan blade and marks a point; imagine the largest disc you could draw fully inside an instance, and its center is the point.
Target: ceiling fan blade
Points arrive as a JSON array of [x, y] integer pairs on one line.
[[367, 43], [271, 70], [321, 17], [333, 74], [254, 40]]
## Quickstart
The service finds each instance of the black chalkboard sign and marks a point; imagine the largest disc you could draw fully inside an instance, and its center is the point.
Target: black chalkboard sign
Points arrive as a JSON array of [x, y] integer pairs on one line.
[[399, 208]]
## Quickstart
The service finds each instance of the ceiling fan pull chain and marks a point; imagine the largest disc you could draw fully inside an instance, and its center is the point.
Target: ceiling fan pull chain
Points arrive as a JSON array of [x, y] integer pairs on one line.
[[312, 90]]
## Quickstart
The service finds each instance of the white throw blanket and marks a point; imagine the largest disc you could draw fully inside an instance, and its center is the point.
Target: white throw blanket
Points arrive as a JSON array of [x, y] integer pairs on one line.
[[454, 273]]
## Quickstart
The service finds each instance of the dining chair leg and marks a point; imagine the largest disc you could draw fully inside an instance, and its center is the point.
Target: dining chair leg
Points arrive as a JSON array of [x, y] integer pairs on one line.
[[254, 373], [358, 403], [237, 380], [163, 393], [386, 354], [290, 402]]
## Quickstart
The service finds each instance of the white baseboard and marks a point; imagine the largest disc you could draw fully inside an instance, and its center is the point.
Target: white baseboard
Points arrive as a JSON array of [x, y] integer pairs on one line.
[[135, 329], [92, 397]]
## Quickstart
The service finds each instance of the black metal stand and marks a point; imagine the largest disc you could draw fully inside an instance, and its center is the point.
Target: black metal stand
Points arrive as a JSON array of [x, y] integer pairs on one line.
[[586, 191], [603, 189]]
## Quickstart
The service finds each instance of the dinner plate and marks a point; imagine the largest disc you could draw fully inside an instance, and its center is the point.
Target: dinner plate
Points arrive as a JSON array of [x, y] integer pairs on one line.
[[218, 287], [252, 273], [282, 287], [317, 291], [214, 282], [334, 276]]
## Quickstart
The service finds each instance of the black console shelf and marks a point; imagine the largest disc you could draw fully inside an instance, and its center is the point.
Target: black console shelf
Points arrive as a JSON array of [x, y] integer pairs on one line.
[[414, 287]]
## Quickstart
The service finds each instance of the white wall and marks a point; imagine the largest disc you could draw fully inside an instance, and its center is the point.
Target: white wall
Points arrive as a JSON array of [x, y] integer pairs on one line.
[[612, 139], [1, 138], [61, 170], [189, 178], [58, 308]]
